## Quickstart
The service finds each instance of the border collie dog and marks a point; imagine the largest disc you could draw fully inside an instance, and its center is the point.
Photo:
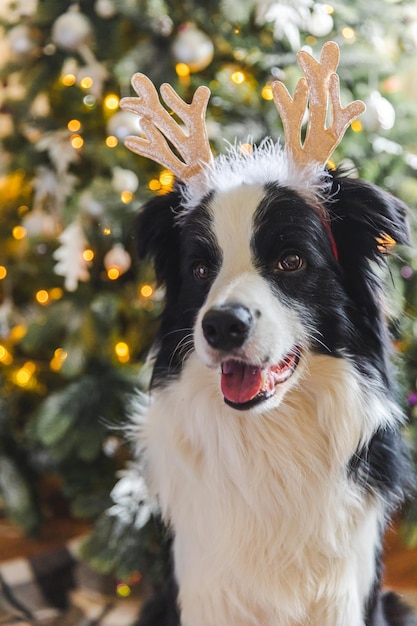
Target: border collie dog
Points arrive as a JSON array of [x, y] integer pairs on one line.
[[273, 432], [273, 435]]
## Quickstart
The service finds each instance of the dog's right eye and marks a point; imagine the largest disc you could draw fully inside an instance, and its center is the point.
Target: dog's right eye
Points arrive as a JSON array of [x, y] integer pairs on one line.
[[201, 271]]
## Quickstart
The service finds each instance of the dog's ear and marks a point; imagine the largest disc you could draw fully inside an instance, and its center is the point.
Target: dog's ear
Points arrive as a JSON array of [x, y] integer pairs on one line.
[[366, 221], [157, 236]]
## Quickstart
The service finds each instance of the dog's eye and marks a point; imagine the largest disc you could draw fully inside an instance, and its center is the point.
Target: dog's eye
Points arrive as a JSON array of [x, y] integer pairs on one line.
[[201, 271], [289, 262]]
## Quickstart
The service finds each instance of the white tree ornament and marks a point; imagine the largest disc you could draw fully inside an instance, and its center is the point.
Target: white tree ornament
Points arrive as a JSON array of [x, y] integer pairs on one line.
[[71, 263]]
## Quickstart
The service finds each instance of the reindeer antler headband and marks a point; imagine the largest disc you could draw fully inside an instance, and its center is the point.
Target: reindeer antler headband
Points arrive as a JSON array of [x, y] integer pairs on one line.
[[319, 85]]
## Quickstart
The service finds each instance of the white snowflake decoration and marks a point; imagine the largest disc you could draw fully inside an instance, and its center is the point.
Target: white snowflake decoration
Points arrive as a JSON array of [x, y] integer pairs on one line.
[[71, 263], [288, 17], [133, 505]]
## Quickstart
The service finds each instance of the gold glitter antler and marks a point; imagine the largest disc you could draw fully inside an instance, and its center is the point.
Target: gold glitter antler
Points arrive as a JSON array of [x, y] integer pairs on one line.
[[158, 125], [319, 84]]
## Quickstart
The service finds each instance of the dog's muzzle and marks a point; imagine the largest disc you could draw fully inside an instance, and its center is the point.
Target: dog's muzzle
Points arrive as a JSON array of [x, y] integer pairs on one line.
[[226, 329]]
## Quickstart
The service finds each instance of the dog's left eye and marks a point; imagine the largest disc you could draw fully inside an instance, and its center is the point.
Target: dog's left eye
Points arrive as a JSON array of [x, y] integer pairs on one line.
[[289, 262], [201, 271]]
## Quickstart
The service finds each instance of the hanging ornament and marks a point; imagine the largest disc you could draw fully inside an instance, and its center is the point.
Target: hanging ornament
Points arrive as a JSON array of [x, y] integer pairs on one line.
[[117, 258], [124, 180], [72, 30], [193, 47], [320, 22], [379, 114], [105, 9], [71, 263], [122, 124], [24, 42]]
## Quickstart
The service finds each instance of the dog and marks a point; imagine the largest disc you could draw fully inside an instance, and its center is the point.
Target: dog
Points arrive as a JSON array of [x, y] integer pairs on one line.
[[273, 434]]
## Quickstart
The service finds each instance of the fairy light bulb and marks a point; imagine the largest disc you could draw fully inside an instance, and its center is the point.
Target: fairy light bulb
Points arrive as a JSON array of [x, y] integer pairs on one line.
[[111, 102], [122, 351]]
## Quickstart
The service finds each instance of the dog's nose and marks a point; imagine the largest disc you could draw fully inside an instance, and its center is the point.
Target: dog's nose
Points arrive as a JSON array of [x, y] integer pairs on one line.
[[228, 326]]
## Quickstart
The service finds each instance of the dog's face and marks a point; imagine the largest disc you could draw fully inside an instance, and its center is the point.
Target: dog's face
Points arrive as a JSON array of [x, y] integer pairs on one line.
[[264, 265], [253, 284]]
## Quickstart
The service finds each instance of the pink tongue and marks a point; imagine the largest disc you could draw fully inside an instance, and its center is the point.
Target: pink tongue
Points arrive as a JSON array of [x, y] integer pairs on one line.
[[240, 383]]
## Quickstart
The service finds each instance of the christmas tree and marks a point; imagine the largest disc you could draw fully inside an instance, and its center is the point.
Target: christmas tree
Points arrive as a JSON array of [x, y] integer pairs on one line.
[[77, 311]]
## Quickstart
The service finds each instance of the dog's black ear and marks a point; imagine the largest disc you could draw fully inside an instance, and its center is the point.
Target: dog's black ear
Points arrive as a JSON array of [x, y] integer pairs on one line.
[[157, 236], [365, 220], [366, 223]]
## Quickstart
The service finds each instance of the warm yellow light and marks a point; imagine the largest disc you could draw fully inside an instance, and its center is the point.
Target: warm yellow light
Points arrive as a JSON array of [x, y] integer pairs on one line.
[[68, 80], [154, 185], [348, 32], [3, 272], [74, 125], [42, 296], [106, 231], [5, 356], [123, 590], [328, 8], [182, 69], [146, 291], [111, 141], [23, 376], [19, 232], [122, 351], [111, 102], [166, 178], [311, 40], [86, 82], [238, 77], [17, 333], [126, 197], [57, 360], [357, 126], [88, 255], [56, 293], [77, 141], [113, 273], [266, 93]]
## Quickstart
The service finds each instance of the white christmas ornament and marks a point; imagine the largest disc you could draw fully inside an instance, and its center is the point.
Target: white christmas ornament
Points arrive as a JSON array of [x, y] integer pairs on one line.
[[124, 180], [105, 9], [24, 42], [193, 47], [320, 22], [69, 255], [117, 258], [71, 30], [122, 124], [379, 114]]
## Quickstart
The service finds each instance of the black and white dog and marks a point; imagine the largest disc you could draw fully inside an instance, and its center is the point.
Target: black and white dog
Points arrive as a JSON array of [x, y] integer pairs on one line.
[[273, 433]]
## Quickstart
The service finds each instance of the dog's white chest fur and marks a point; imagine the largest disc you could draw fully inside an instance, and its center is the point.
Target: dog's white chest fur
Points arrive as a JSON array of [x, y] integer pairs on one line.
[[269, 529]]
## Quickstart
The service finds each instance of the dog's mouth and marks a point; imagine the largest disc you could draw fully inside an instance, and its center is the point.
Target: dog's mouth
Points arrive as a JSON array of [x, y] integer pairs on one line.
[[244, 385]]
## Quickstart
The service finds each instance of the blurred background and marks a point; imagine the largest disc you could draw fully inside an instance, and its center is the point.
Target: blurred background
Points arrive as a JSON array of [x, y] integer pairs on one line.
[[77, 311]]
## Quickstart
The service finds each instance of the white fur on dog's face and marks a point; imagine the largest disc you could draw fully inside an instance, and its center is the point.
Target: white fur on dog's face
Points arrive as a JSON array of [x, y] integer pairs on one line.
[[277, 328]]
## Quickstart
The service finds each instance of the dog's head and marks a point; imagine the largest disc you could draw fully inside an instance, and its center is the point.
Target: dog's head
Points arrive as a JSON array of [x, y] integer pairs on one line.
[[258, 276], [265, 256]]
